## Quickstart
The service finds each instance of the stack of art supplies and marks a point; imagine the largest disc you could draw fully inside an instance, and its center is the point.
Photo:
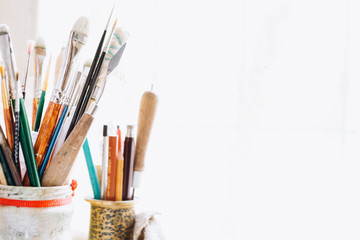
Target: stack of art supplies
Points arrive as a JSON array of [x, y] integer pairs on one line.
[[58, 129], [122, 162]]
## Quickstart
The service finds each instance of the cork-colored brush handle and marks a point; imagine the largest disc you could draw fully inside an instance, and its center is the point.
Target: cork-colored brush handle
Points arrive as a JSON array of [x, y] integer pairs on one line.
[[147, 111], [60, 166]]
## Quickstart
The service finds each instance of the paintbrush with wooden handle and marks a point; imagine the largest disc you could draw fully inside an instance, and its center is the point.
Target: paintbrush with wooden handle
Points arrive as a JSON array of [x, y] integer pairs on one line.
[[147, 111], [60, 167]]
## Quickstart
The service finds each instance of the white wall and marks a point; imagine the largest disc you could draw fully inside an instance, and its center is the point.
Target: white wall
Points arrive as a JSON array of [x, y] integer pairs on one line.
[[257, 130]]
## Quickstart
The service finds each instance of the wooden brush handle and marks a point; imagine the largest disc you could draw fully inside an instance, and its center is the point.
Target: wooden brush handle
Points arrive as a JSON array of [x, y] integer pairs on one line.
[[34, 112], [146, 116], [60, 166]]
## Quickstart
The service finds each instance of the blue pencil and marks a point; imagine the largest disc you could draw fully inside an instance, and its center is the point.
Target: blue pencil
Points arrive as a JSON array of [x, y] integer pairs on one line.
[[91, 168]]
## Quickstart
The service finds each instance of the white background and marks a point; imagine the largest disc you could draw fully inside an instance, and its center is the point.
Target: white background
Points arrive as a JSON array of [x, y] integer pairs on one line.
[[257, 130]]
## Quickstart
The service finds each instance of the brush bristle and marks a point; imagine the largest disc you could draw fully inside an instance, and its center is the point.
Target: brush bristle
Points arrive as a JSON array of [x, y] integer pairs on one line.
[[88, 62], [118, 39], [40, 43], [29, 46], [4, 29], [81, 26]]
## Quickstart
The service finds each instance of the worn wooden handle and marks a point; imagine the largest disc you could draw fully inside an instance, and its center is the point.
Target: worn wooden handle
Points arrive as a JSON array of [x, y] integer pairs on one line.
[[146, 117], [60, 167]]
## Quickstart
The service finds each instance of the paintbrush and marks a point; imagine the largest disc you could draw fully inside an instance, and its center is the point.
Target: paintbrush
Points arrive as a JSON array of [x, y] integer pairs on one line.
[[17, 124], [25, 135], [77, 39], [88, 89], [147, 111], [15, 175], [59, 61], [8, 119], [68, 94], [111, 61], [91, 72], [27, 65], [42, 99], [72, 107], [8, 59], [40, 54], [60, 167]]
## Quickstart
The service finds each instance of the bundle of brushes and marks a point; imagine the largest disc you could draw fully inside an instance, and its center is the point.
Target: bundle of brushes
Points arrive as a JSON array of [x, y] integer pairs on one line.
[[59, 127]]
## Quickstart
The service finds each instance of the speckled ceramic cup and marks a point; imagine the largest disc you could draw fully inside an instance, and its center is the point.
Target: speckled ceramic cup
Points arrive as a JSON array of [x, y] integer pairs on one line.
[[111, 219]]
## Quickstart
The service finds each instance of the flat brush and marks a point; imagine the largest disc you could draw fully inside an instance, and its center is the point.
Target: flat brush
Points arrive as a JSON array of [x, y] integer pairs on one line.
[[59, 61], [40, 54], [27, 65], [91, 72], [77, 39], [8, 58], [8, 118], [42, 99]]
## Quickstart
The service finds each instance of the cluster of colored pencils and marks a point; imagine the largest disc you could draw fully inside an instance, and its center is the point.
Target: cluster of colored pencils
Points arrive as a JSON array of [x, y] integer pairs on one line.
[[49, 151], [122, 164]]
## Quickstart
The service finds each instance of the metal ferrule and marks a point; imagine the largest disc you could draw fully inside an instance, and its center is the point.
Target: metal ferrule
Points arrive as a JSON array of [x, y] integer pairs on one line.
[[130, 131], [69, 93], [76, 41], [79, 86], [92, 109]]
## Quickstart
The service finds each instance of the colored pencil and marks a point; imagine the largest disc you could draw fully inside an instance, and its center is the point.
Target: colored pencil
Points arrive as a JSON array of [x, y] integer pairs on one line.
[[91, 169]]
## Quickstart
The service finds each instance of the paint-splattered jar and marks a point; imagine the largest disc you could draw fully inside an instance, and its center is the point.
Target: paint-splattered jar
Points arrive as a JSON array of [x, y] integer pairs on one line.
[[111, 219], [35, 213]]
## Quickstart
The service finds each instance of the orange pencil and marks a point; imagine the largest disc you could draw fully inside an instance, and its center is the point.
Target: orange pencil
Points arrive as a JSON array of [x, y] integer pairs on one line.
[[111, 179]]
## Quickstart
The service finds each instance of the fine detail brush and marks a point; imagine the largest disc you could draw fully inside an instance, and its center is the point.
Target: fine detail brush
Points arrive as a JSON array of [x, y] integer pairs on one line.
[[42, 99], [27, 65], [8, 118], [111, 61], [40, 54], [91, 86], [91, 72], [77, 39]]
